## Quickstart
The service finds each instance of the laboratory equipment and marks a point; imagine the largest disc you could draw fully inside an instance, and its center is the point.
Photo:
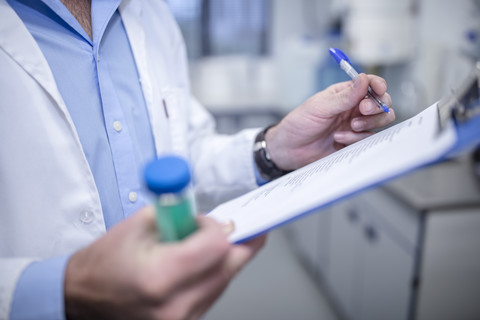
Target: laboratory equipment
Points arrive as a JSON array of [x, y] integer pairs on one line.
[[169, 177]]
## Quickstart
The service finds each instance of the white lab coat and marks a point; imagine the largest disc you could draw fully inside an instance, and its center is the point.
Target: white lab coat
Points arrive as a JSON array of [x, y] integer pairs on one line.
[[49, 204]]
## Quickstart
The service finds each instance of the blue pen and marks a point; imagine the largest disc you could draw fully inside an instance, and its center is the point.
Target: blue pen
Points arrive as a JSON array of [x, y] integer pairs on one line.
[[344, 63]]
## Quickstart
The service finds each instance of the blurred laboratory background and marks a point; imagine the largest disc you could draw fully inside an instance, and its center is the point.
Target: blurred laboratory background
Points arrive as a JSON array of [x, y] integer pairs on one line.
[[395, 252]]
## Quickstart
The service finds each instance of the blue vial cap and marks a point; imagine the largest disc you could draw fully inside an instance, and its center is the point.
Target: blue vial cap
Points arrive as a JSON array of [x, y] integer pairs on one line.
[[168, 174]]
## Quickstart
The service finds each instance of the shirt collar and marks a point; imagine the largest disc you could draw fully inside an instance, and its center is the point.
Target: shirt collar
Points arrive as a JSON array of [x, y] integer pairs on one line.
[[102, 11]]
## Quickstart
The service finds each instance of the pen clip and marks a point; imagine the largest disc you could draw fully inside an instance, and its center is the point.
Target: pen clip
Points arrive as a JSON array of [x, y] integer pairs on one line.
[[165, 108]]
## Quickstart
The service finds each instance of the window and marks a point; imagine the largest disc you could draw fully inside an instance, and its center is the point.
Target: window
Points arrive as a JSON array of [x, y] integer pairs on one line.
[[221, 27]]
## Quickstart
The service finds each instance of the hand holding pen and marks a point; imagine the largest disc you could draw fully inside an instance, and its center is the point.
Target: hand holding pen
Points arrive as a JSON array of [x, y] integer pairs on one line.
[[331, 119], [346, 66]]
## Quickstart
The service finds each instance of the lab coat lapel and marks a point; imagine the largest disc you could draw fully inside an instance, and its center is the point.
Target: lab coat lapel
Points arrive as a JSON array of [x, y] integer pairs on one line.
[[20, 45], [17, 42]]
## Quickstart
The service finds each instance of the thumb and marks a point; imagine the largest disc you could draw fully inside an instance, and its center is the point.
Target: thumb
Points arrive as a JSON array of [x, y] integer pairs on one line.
[[351, 95]]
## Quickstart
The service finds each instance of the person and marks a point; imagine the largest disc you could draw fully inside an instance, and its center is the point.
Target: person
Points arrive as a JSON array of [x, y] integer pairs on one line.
[[92, 90]]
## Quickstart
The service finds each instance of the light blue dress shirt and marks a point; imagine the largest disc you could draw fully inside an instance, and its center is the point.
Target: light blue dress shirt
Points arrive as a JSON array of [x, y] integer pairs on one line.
[[99, 83]]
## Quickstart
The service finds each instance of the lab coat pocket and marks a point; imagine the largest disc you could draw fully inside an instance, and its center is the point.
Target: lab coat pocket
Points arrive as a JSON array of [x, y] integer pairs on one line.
[[175, 104]]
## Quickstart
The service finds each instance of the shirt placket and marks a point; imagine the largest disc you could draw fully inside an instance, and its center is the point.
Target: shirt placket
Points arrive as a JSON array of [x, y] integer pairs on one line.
[[121, 145]]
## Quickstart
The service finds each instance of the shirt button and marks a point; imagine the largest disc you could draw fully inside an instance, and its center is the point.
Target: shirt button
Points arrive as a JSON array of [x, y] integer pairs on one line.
[[132, 196], [117, 125], [86, 217]]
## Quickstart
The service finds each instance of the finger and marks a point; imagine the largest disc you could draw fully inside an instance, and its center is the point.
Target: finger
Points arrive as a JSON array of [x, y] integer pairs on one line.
[[186, 261], [256, 243], [346, 97], [206, 246], [368, 106], [242, 253], [238, 257], [207, 304], [350, 137], [378, 84], [228, 227], [366, 123], [191, 301]]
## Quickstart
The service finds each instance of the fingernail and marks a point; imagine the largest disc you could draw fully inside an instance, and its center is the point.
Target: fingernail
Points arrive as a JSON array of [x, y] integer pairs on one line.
[[228, 227]]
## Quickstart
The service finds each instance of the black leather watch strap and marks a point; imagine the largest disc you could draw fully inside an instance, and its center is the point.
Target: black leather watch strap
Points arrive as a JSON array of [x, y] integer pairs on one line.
[[266, 167]]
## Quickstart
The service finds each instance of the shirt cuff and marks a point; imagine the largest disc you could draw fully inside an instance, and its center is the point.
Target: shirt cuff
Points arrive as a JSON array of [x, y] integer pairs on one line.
[[39, 291], [258, 177]]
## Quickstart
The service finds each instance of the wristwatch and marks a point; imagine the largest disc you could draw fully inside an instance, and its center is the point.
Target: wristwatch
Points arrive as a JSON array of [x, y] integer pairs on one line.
[[266, 167]]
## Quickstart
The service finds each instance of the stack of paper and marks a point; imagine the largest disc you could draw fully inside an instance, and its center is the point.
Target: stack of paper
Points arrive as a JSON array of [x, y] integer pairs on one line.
[[397, 150]]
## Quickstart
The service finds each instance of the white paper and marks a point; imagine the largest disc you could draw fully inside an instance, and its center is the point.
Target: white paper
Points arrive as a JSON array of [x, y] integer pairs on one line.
[[408, 145]]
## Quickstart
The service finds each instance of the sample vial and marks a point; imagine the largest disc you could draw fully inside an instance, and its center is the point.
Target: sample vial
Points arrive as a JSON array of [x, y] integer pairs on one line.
[[169, 178]]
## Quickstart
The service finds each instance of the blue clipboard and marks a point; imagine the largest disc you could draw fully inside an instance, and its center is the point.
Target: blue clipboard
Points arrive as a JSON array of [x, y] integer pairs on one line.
[[463, 106]]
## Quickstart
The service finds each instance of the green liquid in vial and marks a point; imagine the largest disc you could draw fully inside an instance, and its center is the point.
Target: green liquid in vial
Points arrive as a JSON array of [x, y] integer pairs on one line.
[[175, 221]]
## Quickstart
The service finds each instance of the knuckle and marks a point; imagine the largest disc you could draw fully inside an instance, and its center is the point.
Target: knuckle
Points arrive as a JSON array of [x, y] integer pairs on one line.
[[226, 273], [387, 98], [184, 257], [217, 246], [172, 313], [153, 286], [222, 246], [149, 289], [218, 242], [179, 307]]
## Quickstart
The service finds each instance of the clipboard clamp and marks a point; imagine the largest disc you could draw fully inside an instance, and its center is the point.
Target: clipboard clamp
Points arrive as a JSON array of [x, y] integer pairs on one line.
[[464, 102]]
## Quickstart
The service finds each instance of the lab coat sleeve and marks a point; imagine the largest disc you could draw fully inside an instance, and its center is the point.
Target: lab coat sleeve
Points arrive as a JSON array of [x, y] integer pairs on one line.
[[39, 291], [223, 165]]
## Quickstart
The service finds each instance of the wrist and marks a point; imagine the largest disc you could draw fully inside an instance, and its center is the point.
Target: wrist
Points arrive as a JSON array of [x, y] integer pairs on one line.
[[273, 146], [70, 291], [75, 284], [266, 166]]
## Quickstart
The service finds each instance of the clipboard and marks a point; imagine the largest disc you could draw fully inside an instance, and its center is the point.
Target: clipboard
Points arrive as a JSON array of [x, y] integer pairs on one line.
[[462, 104], [439, 132], [462, 107]]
